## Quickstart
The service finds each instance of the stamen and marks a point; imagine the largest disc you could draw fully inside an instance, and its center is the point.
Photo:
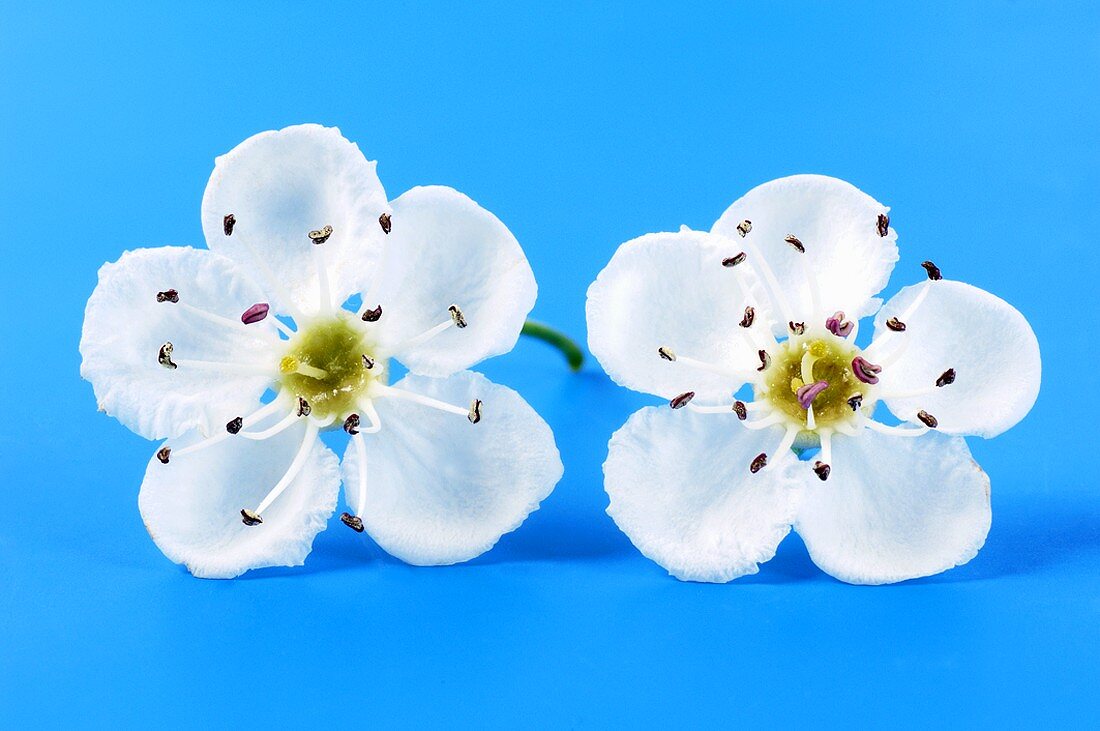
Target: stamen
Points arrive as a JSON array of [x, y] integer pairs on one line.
[[744, 227], [896, 325], [255, 313], [758, 463], [895, 431], [164, 356], [883, 224], [163, 454], [750, 315], [765, 360], [806, 394], [223, 321], [946, 378], [670, 355], [289, 364], [822, 470], [368, 362], [738, 407], [228, 222], [252, 418], [734, 260], [372, 315], [250, 518], [783, 450], [234, 425], [865, 370], [740, 410], [838, 326], [855, 401], [474, 415], [295, 467], [422, 337], [682, 400], [168, 295], [826, 456], [321, 236], [667, 353], [386, 222], [793, 241], [797, 328], [304, 409], [927, 419], [352, 521], [934, 272], [278, 428], [390, 391], [351, 424], [456, 316]]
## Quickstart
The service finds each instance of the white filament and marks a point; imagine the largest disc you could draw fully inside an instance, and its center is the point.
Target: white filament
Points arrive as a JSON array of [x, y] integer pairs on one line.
[[295, 467], [387, 391], [252, 418]]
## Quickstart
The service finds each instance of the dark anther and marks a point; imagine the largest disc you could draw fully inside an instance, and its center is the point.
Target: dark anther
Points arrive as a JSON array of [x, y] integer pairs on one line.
[[320, 237], [927, 419], [883, 224], [797, 327], [750, 315], [793, 241], [765, 359], [164, 356], [235, 425], [740, 410], [822, 470], [807, 393], [838, 326], [352, 521], [163, 454], [934, 272], [304, 408], [895, 324], [744, 227], [758, 463], [456, 315], [250, 518], [386, 222], [228, 223], [682, 400], [865, 370], [168, 295], [734, 260], [368, 362], [855, 401], [475, 411], [255, 313], [351, 424], [667, 353], [372, 315], [946, 378]]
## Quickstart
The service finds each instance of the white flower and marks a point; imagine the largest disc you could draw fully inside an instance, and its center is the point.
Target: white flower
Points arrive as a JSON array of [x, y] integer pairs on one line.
[[183, 344], [771, 297]]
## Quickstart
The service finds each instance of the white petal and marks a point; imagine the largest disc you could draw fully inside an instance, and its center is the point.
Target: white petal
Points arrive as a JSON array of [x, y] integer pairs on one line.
[[191, 506], [671, 290], [446, 250], [681, 489], [441, 490], [125, 326], [986, 340], [279, 186], [895, 508], [837, 224]]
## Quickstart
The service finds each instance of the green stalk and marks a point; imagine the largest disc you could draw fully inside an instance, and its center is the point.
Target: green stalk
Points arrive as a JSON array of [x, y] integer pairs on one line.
[[572, 352]]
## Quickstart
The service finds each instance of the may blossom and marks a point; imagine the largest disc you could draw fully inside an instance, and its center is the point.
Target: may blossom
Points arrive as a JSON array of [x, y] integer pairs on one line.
[[241, 354], [772, 298]]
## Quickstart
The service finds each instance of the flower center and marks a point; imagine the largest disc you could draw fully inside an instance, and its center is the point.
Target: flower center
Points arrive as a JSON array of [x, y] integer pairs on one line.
[[817, 380], [330, 363]]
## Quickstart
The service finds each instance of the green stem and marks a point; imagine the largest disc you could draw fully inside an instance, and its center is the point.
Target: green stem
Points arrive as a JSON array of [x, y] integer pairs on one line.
[[572, 352]]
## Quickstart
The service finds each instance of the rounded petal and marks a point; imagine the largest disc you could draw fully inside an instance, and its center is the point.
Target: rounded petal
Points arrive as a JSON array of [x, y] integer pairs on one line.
[[895, 508], [670, 290], [125, 327], [279, 186], [191, 506], [441, 490], [839, 227], [681, 490], [446, 250], [987, 342]]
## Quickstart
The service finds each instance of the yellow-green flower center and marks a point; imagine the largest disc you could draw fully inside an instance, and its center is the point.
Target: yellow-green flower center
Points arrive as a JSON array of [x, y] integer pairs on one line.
[[325, 365], [805, 360]]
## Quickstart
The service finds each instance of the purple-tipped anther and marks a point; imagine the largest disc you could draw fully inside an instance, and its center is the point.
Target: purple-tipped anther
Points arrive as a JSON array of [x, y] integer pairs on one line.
[[255, 313], [806, 394], [865, 370], [838, 326]]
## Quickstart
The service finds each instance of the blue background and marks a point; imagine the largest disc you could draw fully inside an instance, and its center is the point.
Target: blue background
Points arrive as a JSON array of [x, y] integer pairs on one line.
[[580, 128]]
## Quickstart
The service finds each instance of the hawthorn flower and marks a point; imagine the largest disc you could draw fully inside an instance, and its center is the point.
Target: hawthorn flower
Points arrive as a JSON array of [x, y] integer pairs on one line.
[[241, 354], [772, 298]]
